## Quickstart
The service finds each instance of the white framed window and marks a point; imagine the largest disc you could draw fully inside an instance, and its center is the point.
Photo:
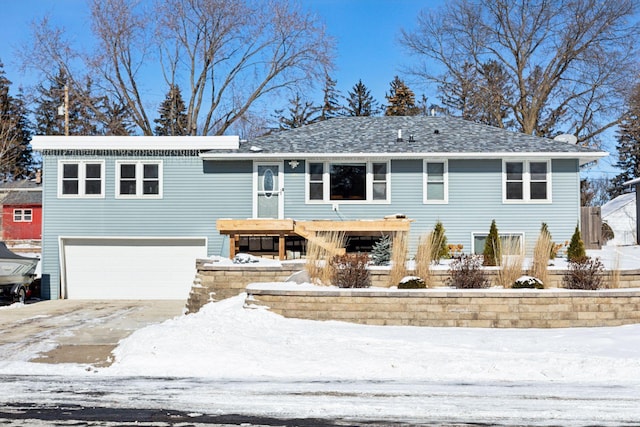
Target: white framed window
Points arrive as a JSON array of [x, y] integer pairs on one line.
[[436, 182], [526, 181], [137, 179], [508, 241], [81, 178], [22, 215], [348, 182]]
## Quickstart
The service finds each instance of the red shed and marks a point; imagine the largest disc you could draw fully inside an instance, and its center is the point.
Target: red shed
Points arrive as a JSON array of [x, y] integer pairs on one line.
[[21, 210]]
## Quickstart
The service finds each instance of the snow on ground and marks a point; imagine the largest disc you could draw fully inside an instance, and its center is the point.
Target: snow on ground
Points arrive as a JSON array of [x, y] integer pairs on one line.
[[226, 341], [291, 366]]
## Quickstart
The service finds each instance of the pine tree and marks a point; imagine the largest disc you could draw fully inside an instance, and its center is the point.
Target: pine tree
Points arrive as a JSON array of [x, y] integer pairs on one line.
[[330, 105], [628, 146], [84, 115], [441, 250], [300, 113], [576, 251], [173, 118], [402, 100], [360, 102], [381, 251], [492, 249], [16, 161]]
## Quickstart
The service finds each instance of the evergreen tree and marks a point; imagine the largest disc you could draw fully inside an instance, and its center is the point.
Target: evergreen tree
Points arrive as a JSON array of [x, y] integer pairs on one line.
[[360, 102], [173, 118], [84, 116], [330, 105], [16, 161], [381, 251], [300, 113], [628, 146], [441, 249], [492, 249], [576, 251], [402, 100]]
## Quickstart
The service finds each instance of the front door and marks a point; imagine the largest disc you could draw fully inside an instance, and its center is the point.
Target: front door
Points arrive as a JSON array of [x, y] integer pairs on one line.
[[268, 190]]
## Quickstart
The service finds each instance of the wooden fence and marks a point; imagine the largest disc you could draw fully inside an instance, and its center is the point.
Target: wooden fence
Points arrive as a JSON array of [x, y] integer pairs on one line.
[[591, 227]]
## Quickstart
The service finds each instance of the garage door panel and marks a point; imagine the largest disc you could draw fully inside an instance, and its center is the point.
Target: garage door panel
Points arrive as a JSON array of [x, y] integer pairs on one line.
[[131, 268]]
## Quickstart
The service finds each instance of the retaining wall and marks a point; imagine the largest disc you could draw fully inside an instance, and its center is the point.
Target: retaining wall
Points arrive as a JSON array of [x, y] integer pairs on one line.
[[433, 307], [460, 308]]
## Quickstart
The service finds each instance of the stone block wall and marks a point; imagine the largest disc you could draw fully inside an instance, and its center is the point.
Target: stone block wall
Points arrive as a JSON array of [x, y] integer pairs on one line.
[[469, 308], [217, 282]]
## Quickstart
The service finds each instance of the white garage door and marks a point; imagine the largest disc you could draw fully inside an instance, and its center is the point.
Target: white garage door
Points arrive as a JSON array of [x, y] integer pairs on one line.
[[129, 268]]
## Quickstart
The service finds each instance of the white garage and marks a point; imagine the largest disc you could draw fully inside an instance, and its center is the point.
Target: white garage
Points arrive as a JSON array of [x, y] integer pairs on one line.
[[129, 267]]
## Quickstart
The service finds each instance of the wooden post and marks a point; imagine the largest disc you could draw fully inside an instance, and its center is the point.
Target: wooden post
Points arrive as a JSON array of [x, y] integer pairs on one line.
[[232, 245], [281, 247]]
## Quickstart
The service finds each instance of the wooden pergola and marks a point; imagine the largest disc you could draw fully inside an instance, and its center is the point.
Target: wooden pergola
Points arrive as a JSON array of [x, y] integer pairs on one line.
[[281, 228]]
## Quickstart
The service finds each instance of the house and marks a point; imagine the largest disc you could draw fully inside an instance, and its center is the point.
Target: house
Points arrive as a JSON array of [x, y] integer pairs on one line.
[[620, 215], [21, 203], [125, 217]]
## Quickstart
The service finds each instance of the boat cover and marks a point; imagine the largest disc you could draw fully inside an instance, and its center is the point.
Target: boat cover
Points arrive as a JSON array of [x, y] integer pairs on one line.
[[5, 253]]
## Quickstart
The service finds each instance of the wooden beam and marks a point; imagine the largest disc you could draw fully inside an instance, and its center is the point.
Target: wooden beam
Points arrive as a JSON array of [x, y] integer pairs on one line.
[[227, 226]]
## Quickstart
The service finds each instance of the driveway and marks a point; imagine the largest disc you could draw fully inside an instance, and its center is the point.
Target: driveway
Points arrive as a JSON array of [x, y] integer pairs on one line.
[[68, 331]]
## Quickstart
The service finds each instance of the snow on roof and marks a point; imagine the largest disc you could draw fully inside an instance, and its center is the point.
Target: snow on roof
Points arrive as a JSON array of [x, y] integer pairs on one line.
[[617, 203]]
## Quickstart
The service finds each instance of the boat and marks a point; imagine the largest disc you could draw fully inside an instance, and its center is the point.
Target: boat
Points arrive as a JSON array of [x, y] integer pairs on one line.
[[16, 273]]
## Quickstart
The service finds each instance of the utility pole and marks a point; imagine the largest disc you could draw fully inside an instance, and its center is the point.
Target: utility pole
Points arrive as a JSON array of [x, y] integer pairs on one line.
[[66, 110]]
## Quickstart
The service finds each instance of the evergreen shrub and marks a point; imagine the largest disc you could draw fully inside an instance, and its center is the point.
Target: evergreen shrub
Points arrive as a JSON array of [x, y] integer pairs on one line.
[[492, 251], [412, 282], [528, 282], [576, 250], [381, 251]]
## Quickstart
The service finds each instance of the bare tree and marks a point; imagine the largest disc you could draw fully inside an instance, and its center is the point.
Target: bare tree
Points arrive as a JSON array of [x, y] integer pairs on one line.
[[227, 55], [563, 62]]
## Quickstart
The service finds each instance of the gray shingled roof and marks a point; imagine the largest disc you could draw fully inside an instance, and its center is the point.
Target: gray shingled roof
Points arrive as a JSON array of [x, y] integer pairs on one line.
[[21, 192], [420, 134]]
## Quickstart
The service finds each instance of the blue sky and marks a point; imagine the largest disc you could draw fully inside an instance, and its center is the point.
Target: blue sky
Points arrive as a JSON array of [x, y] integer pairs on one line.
[[366, 34]]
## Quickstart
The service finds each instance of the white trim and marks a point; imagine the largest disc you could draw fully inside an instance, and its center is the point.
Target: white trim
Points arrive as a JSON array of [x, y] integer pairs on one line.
[[500, 234], [139, 164], [23, 214], [279, 191], [81, 178], [445, 178], [326, 182], [58, 142], [526, 182], [583, 157]]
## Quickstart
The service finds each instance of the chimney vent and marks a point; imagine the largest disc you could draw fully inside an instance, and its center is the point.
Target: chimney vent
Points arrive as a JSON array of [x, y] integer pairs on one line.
[[399, 136]]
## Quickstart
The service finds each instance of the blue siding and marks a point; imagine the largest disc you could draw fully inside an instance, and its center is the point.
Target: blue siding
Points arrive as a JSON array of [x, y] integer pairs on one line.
[[196, 193]]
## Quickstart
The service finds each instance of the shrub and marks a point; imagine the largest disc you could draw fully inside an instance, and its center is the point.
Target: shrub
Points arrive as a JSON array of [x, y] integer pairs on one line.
[[350, 271], [512, 261], [399, 249], [585, 273], [528, 282], [541, 254], [412, 282], [424, 257], [492, 248], [576, 251], [466, 273], [381, 251], [440, 249]]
